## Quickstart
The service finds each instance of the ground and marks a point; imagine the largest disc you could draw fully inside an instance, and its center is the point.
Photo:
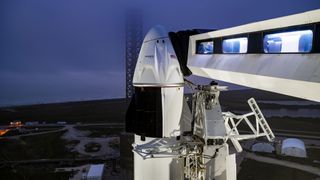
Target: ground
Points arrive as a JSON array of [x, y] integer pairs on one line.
[[91, 135]]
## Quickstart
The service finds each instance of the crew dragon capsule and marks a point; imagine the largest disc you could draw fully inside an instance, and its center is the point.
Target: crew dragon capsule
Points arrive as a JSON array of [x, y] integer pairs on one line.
[[157, 106]]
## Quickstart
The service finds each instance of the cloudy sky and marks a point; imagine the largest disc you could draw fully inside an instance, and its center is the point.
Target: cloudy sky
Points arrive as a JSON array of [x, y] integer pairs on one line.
[[66, 50]]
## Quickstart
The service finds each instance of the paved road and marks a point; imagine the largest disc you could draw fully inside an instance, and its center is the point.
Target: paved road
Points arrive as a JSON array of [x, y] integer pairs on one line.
[[71, 133], [33, 134], [81, 124]]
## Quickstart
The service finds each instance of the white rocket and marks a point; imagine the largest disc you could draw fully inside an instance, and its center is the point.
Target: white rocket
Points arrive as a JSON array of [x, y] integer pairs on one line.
[[157, 104]]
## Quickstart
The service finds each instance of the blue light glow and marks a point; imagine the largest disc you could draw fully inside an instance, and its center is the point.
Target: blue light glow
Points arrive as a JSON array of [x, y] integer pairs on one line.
[[205, 47], [235, 45], [288, 42]]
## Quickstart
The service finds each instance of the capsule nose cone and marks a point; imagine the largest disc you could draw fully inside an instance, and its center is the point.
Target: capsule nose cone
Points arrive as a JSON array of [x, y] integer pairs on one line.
[[157, 32], [157, 64]]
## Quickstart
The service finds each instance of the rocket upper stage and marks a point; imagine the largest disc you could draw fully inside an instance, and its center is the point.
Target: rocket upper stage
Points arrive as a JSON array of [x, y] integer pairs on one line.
[[157, 65]]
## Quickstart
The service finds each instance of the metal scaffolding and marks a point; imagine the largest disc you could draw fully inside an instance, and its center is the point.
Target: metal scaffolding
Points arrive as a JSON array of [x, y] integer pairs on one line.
[[133, 44]]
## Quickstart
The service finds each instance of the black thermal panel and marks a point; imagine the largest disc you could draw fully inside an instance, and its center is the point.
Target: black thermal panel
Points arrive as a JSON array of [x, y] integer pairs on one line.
[[144, 115]]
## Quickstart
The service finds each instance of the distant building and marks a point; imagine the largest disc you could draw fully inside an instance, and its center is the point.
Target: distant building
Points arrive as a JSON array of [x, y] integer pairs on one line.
[[263, 147], [15, 123], [95, 172], [3, 131], [293, 147], [61, 122], [32, 123]]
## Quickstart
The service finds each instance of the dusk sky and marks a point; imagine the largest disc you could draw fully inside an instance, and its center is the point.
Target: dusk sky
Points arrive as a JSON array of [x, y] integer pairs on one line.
[[69, 50]]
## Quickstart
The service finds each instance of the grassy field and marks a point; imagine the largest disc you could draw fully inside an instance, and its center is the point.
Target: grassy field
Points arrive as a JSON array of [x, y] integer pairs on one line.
[[244, 95], [237, 100], [314, 153], [45, 146], [72, 112], [32, 173], [300, 126], [296, 124], [29, 129], [102, 131], [113, 110], [253, 170]]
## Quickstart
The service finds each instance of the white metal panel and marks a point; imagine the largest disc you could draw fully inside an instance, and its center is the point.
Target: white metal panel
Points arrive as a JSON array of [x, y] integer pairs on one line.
[[304, 67], [186, 117], [214, 123], [172, 103], [220, 167], [156, 169], [231, 170], [291, 74], [296, 88]]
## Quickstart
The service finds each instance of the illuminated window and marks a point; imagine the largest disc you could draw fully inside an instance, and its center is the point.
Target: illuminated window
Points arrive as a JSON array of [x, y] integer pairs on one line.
[[235, 45], [205, 47], [288, 42]]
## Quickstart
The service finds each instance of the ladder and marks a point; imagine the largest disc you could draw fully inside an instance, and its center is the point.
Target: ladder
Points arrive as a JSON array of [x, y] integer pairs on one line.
[[260, 118]]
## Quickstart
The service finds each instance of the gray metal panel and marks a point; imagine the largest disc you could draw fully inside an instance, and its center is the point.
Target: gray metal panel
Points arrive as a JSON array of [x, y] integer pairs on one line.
[[295, 75], [214, 123], [303, 67]]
